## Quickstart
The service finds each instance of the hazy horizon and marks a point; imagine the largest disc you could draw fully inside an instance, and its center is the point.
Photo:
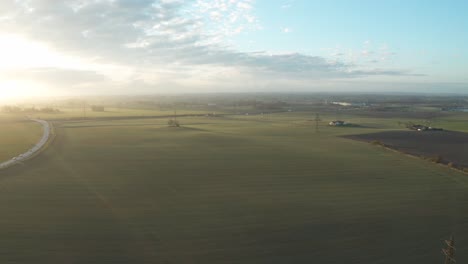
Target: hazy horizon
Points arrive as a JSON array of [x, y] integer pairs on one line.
[[82, 48]]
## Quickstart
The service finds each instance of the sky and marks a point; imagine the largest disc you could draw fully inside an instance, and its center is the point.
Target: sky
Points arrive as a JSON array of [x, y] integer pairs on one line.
[[86, 47]]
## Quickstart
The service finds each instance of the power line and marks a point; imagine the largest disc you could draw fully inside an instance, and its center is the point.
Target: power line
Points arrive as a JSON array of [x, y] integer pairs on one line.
[[84, 109], [317, 120]]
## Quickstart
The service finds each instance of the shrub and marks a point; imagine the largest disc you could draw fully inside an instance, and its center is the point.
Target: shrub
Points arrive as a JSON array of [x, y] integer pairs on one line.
[[377, 143], [173, 123], [436, 159]]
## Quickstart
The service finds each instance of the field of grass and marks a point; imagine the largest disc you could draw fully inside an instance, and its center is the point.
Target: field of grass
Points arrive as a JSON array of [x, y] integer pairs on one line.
[[239, 189], [78, 113], [17, 135]]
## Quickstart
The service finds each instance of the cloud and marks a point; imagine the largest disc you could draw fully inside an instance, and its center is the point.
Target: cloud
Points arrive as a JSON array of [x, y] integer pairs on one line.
[[146, 36], [287, 4], [384, 73], [364, 55], [55, 76]]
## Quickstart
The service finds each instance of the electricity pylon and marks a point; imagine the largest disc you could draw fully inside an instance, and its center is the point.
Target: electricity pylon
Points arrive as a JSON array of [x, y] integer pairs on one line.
[[317, 120]]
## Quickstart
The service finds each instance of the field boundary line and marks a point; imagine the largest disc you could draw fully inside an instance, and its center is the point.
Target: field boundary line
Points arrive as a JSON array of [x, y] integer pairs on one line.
[[419, 157]]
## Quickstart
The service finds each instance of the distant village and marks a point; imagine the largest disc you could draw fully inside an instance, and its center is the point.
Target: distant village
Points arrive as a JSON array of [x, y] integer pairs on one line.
[[338, 123], [415, 127], [423, 128]]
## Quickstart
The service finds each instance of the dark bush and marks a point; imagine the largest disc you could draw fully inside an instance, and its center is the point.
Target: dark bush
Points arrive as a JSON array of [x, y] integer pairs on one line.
[[436, 159], [378, 143], [173, 123]]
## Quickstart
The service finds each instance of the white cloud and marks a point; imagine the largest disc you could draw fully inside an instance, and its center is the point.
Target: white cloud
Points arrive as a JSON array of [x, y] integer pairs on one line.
[[287, 4], [55, 76], [153, 42]]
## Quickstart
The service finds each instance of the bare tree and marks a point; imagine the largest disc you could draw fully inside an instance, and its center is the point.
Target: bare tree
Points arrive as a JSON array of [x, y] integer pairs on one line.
[[449, 252]]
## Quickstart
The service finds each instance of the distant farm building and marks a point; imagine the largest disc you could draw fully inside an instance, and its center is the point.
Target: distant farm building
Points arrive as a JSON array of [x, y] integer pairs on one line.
[[349, 104], [424, 128], [342, 103], [337, 123]]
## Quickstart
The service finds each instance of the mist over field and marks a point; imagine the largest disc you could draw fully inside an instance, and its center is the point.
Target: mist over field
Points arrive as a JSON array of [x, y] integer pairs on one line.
[[233, 131], [223, 178]]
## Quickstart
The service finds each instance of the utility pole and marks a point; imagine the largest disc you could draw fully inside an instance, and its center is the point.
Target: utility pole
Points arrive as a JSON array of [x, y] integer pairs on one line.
[[84, 109], [317, 120], [449, 252]]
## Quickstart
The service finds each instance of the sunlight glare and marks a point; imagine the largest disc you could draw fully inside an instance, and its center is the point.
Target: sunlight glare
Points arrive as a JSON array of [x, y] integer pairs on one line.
[[13, 90], [19, 52]]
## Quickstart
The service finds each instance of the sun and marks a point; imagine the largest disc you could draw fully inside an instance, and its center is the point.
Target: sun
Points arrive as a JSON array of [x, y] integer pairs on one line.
[[18, 56], [11, 90], [19, 52]]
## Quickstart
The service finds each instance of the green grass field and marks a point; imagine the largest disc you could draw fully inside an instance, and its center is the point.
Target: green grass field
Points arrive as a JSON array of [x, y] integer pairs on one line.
[[239, 189], [78, 113], [17, 135]]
